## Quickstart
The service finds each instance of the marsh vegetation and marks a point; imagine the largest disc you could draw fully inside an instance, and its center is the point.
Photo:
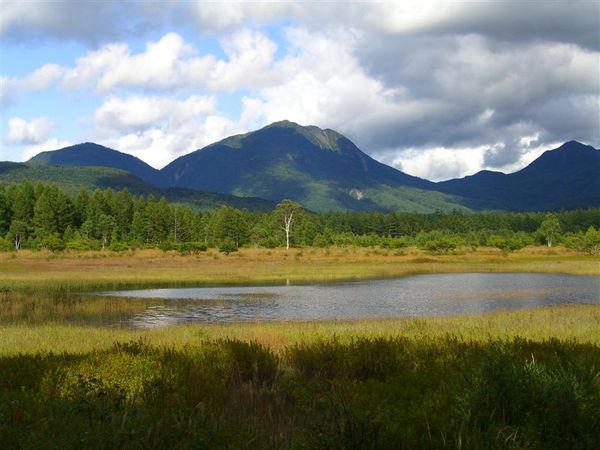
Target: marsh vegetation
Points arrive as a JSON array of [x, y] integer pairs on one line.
[[521, 379]]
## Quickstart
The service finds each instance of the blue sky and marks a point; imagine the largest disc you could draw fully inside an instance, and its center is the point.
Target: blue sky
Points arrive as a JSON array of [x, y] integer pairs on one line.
[[437, 89]]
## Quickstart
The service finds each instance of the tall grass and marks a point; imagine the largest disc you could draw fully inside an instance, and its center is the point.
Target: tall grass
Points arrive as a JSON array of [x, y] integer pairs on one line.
[[368, 393]]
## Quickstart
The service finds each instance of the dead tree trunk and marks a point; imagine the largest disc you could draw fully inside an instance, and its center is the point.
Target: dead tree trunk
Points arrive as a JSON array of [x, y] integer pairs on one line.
[[287, 220]]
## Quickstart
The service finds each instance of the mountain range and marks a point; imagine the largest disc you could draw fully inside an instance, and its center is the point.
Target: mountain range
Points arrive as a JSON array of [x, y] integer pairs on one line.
[[321, 169]]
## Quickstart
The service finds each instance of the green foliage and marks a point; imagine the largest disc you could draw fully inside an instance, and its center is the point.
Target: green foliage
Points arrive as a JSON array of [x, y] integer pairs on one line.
[[117, 246], [188, 248], [82, 244], [53, 243], [106, 217], [550, 229], [591, 241], [437, 241], [367, 393], [6, 245], [230, 225], [228, 246]]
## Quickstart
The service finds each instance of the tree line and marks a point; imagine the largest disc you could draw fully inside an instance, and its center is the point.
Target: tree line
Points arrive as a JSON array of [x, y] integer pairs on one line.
[[45, 216]]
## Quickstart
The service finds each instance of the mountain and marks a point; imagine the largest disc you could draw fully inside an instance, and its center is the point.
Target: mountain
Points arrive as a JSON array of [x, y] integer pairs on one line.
[[90, 154], [564, 178], [74, 179], [321, 169]]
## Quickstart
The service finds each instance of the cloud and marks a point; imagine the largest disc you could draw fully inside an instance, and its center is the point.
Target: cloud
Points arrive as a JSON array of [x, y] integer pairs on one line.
[[35, 131], [40, 79], [437, 88], [23, 21], [168, 64], [436, 163], [512, 20], [135, 112], [159, 129]]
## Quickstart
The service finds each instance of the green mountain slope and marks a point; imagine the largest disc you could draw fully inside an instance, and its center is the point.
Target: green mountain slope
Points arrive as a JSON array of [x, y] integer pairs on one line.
[[73, 179], [90, 154], [564, 178], [324, 171], [321, 169]]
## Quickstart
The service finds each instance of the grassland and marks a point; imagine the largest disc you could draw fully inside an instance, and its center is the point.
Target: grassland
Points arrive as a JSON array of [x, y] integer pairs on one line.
[[46, 272], [521, 379]]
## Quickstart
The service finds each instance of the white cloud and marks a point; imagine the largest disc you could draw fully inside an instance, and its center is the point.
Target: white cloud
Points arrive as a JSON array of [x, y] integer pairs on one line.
[[35, 131], [159, 145], [135, 112], [159, 129], [167, 64], [39, 80], [437, 163]]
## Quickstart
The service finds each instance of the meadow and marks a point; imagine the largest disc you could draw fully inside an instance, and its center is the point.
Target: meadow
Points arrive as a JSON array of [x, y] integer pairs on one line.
[[520, 379], [44, 271]]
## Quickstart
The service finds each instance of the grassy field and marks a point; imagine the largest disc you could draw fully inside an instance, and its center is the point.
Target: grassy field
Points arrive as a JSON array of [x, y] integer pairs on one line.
[[44, 271], [520, 379]]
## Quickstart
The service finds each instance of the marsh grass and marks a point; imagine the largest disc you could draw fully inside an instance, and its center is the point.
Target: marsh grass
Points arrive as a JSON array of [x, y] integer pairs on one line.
[[38, 273], [374, 393], [519, 379]]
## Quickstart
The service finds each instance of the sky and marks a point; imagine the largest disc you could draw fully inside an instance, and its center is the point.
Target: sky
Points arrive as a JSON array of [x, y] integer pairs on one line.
[[437, 89]]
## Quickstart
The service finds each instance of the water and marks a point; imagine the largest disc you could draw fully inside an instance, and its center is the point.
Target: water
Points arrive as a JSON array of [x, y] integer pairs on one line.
[[411, 296]]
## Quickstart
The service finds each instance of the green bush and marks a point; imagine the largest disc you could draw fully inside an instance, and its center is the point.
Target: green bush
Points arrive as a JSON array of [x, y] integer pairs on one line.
[[6, 245], [83, 245], [187, 248], [118, 246], [228, 246], [437, 241], [53, 243]]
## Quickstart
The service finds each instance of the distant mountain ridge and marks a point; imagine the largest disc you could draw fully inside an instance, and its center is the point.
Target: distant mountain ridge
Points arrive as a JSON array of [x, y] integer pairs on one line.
[[564, 178], [325, 171]]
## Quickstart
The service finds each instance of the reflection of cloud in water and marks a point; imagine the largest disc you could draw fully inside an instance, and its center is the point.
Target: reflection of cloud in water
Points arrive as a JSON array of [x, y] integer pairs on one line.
[[421, 295]]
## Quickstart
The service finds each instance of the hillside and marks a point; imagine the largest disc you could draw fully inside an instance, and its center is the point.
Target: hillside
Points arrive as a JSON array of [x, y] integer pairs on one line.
[[563, 178], [324, 171], [321, 169], [73, 179], [90, 154]]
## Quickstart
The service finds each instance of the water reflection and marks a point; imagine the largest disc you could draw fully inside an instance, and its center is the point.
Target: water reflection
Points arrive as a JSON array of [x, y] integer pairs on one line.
[[419, 295]]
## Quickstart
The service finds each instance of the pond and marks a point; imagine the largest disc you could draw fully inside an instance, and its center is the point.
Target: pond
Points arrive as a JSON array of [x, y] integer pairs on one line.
[[410, 296]]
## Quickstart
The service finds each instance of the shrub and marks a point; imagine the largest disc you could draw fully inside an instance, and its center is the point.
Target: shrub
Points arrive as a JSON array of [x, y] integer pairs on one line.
[[118, 246], [83, 244], [227, 246], [187, 248], [6, 245], [251, 362], [53, 243]]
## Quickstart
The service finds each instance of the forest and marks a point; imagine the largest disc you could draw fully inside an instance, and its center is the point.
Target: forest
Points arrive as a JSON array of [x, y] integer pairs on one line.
[[43, 216]]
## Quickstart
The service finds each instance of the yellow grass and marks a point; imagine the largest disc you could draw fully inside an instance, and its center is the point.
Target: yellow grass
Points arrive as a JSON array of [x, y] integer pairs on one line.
[[91, 270], [578, 323]]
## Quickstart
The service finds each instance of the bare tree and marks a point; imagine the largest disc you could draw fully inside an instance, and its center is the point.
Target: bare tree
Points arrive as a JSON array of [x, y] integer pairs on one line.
[[286, 211]]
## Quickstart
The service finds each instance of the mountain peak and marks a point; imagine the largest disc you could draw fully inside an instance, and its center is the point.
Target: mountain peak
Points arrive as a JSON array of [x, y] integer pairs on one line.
[[326, 139], [574, 145], [92, 154]]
